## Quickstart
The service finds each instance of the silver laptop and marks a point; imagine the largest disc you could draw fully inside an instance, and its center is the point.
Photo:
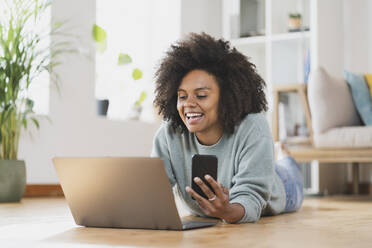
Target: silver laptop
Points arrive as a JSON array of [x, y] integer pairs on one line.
[[120, 193]]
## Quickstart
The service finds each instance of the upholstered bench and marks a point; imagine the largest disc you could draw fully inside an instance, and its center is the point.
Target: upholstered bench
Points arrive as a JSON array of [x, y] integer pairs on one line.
[[336, 133]]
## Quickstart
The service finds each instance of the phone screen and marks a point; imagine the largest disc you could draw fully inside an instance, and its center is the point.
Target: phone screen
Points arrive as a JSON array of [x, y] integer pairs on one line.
[[203, 165]]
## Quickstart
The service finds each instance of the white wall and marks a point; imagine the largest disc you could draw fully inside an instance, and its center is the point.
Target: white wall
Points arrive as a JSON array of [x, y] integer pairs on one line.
[[201, 16], [75, 129], [328, 34], [358, 35], [345, 35]]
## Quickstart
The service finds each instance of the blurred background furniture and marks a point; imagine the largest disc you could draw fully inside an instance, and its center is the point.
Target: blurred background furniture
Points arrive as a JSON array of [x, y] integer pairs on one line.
[[335, 132]]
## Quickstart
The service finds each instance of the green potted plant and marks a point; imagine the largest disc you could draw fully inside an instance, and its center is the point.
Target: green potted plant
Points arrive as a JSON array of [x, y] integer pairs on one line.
[[23, 56], [294, 21], [137, 107]]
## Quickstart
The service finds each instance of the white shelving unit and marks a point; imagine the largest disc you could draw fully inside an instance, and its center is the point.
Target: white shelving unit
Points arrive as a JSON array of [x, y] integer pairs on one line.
[[274, 42], [264, 37], [279, 55]]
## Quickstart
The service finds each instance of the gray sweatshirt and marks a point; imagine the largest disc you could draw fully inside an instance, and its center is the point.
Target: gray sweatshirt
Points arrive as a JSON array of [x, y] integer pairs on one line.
[[245, 166]]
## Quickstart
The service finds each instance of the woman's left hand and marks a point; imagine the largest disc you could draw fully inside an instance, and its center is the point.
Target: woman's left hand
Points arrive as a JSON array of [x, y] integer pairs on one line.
[[218, 204]]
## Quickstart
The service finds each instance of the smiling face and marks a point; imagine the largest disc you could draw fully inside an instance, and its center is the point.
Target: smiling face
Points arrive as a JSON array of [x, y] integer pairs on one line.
[[197, 105]]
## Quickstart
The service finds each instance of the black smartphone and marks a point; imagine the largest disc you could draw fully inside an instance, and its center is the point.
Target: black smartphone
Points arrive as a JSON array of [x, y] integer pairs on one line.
[[203, 165]]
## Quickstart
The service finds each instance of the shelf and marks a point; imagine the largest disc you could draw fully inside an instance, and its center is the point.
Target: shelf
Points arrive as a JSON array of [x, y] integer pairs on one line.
[[297, 140], [289, 87], [274, 38], [290, 36], [306, 153], [249, 40]]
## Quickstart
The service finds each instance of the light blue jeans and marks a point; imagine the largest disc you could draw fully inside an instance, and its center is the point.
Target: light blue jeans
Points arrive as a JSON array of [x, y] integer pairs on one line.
[[289, 171]]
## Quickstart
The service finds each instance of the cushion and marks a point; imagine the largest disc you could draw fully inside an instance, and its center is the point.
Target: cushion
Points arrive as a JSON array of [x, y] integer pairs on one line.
[[369, 82], [361, 97], [330, 102], [345, 137]]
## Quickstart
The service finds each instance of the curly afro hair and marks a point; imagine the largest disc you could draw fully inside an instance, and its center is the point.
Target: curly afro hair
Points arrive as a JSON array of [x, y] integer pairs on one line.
[[241, 88]]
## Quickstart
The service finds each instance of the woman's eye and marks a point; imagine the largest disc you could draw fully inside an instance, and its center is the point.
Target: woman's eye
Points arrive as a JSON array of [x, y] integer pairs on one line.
[[182, 97], [201, 96]]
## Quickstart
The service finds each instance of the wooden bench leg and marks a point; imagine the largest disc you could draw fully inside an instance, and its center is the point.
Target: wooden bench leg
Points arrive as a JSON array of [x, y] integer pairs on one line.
[[355, 178], [275, 124]]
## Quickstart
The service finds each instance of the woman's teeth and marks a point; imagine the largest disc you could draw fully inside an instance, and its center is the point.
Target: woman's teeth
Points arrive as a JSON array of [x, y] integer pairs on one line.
[[193, 115]]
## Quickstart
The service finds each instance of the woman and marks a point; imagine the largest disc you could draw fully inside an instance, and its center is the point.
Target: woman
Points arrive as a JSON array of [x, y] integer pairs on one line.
[[212, 100]]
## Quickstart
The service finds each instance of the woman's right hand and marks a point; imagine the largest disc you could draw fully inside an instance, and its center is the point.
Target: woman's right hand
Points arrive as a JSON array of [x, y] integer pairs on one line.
[[218, 204]]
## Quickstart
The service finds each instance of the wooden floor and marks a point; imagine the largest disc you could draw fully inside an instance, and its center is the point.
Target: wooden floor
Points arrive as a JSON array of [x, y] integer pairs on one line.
[[322, 222]]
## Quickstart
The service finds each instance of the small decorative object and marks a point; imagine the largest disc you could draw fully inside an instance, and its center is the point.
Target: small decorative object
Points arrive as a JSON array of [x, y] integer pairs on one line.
[[135, 113], [294, 21], [137, 107], [251, 18], [102, 106]]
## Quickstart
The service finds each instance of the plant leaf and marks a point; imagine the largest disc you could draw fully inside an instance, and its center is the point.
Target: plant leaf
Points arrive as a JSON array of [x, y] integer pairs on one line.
[[124, 59], [58, 24], [137, 74], [24, 122], [36, 122], [99, 34], [141, 98], [30, 103], [101, 46]]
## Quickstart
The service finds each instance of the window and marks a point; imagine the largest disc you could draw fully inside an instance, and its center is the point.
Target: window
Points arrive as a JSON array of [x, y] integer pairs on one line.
[[127, 27]]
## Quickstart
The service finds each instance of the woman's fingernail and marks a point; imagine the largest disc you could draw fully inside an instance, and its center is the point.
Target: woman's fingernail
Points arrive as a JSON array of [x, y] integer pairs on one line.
[[196, 179], [207, 177]]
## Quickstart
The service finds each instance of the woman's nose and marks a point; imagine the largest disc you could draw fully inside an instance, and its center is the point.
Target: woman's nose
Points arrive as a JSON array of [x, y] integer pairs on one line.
[[190, 101]]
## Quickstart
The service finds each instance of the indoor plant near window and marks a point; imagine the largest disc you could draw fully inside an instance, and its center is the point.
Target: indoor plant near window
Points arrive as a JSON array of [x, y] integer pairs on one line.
[[23, 56], [137, 107], [99, 36]]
